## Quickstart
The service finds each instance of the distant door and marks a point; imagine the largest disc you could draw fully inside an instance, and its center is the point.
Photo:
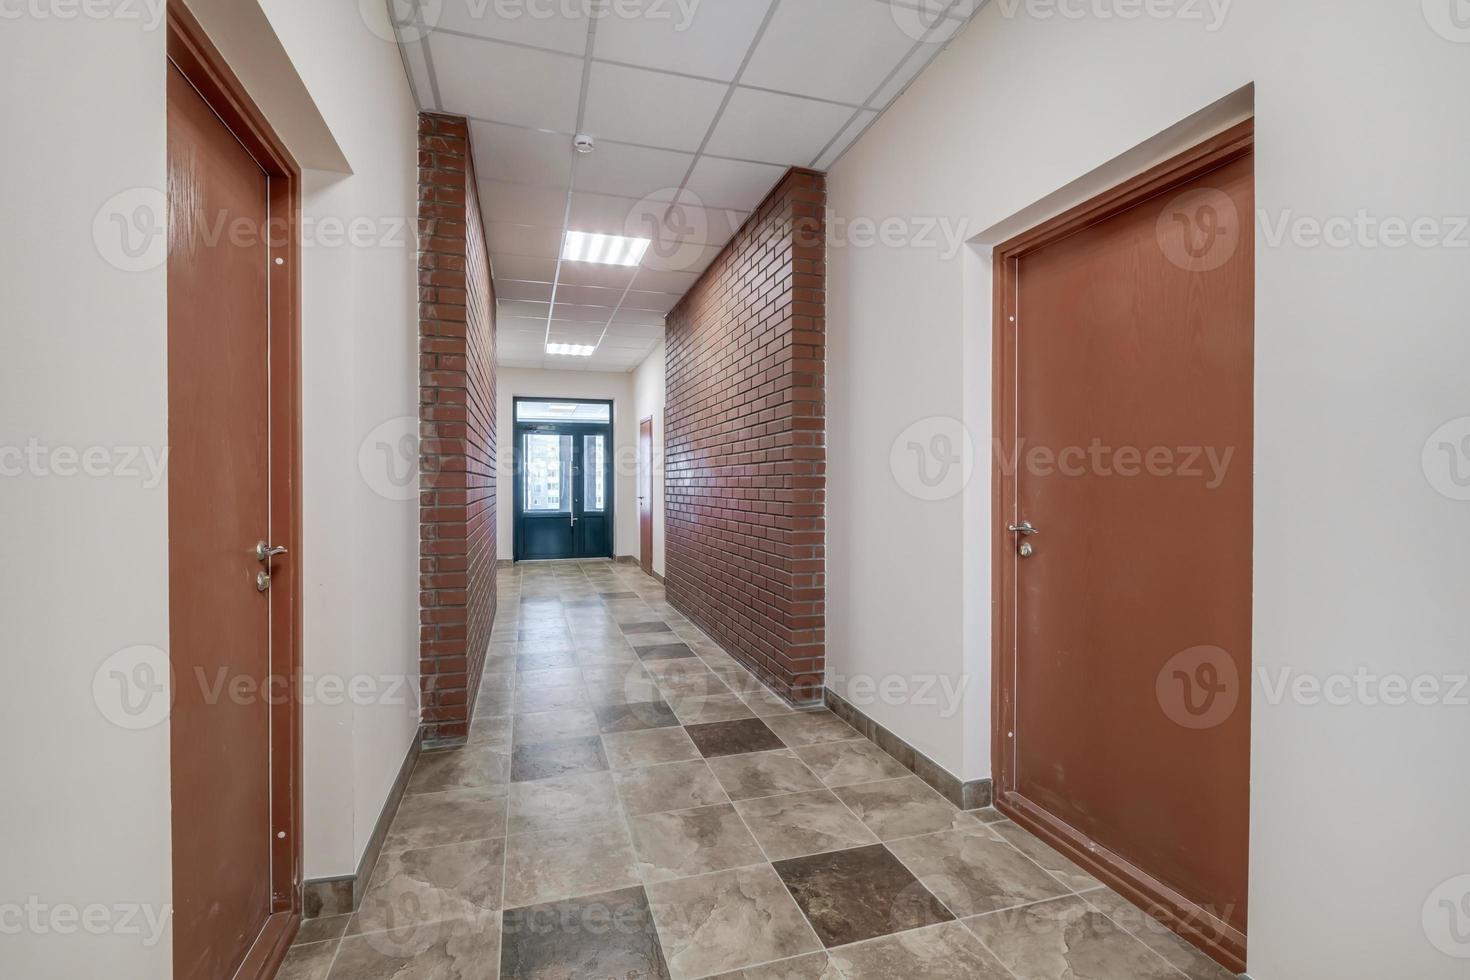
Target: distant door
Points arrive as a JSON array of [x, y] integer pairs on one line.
[[219, 384], [1125, 730], [645, 495], [564, 487]]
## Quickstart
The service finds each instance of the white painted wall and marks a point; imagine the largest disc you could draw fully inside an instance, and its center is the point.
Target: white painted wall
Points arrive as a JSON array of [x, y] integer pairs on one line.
[[532, 382], [85, 811], [360, 385], [1360, 355], [648, 401]]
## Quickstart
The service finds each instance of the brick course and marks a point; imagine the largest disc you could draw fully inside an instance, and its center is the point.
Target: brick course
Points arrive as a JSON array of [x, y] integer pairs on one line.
[[745, 443], [457, 431]]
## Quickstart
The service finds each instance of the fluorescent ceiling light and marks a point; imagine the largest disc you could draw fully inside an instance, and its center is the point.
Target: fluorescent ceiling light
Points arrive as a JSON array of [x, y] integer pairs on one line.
[[572, 350], [582, 246]]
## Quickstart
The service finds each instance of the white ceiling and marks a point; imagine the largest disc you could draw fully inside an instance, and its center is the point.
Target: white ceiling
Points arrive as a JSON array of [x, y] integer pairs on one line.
[[698, 107]]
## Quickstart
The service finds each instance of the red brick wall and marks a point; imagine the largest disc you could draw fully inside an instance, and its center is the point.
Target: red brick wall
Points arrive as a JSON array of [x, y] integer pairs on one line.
[[744, 445], [457, 429]]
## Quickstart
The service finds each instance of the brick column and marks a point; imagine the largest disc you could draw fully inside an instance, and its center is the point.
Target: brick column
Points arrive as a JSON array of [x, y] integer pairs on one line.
[[457, 546], [745, 443]]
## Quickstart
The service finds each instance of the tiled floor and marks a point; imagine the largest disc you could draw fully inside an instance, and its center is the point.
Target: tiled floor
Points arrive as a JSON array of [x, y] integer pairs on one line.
[[631, 804]]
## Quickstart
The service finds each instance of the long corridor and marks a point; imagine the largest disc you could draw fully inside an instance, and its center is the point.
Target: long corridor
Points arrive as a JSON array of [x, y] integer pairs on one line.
[[632, 803]]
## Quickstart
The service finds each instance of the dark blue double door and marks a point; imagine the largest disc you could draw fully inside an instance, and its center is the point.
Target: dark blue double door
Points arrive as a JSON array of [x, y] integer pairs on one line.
[[563, 492]]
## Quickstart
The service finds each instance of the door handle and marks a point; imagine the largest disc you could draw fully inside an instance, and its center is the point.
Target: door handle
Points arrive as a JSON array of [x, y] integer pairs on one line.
[[264, 552], [1024, 529], [574, 519]]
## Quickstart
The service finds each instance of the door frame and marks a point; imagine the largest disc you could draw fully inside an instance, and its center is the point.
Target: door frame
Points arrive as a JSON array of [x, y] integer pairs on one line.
[[196, 57], [645, 486], [1203, 928], [519, 428]]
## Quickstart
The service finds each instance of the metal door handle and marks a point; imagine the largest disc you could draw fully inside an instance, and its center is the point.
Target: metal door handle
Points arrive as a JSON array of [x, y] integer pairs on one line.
[[1024, 528], [574, 519], [264, 552]]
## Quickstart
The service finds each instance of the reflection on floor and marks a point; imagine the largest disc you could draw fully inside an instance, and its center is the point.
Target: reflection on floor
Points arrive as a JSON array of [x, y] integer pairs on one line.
[[632, 804]]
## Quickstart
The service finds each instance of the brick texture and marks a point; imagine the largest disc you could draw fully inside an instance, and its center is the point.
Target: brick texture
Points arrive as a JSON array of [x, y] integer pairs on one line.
[[457, 431], [745, 443]]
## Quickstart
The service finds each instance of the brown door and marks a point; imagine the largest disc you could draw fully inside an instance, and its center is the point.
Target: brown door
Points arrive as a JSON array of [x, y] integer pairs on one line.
[[219, 494], [645, 495], [1131, 458]]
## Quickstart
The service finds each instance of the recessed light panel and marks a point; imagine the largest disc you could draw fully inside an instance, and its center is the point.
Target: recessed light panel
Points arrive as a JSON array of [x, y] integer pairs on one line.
[[571, 350], [582, 246]]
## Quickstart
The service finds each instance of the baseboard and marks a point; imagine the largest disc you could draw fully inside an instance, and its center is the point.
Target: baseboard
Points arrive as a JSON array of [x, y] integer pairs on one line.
[[626, 560], [335, 896], [505, 563], [1203, 928], [966, 795]]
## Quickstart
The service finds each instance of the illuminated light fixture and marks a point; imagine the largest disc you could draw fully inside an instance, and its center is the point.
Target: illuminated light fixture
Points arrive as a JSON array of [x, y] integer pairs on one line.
[[572, 350], [583, 246]]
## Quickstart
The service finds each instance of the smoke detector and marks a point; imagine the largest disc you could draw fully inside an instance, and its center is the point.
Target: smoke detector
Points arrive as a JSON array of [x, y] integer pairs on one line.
[[583, 143]]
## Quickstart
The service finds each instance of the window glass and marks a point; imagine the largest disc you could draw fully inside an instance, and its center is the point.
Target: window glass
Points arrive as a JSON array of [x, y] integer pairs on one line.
[[554, 411], [594, 473], [547, 473]]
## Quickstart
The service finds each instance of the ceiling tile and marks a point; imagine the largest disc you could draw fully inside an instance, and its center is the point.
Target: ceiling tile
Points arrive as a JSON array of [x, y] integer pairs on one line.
[[851, 132], [638, 318], [563, 332], [607, 214], [523, 204], [653, 302], [582, 314], [639, 106], [523, 156], [708, 39], [531, 292], [614, 168], [660, 281], [722, 183], [509, 239], [589, 296], [417, 66], [510, 329], [776, 128], [560, 27], [504, 83], [593, 274], [522, 267], [870, 36], [514, 308], [910, 69]]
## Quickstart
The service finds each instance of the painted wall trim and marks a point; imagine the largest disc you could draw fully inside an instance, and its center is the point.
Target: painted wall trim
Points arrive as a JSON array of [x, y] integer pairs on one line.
[[249, 43], [967, 795], [341, 894]]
